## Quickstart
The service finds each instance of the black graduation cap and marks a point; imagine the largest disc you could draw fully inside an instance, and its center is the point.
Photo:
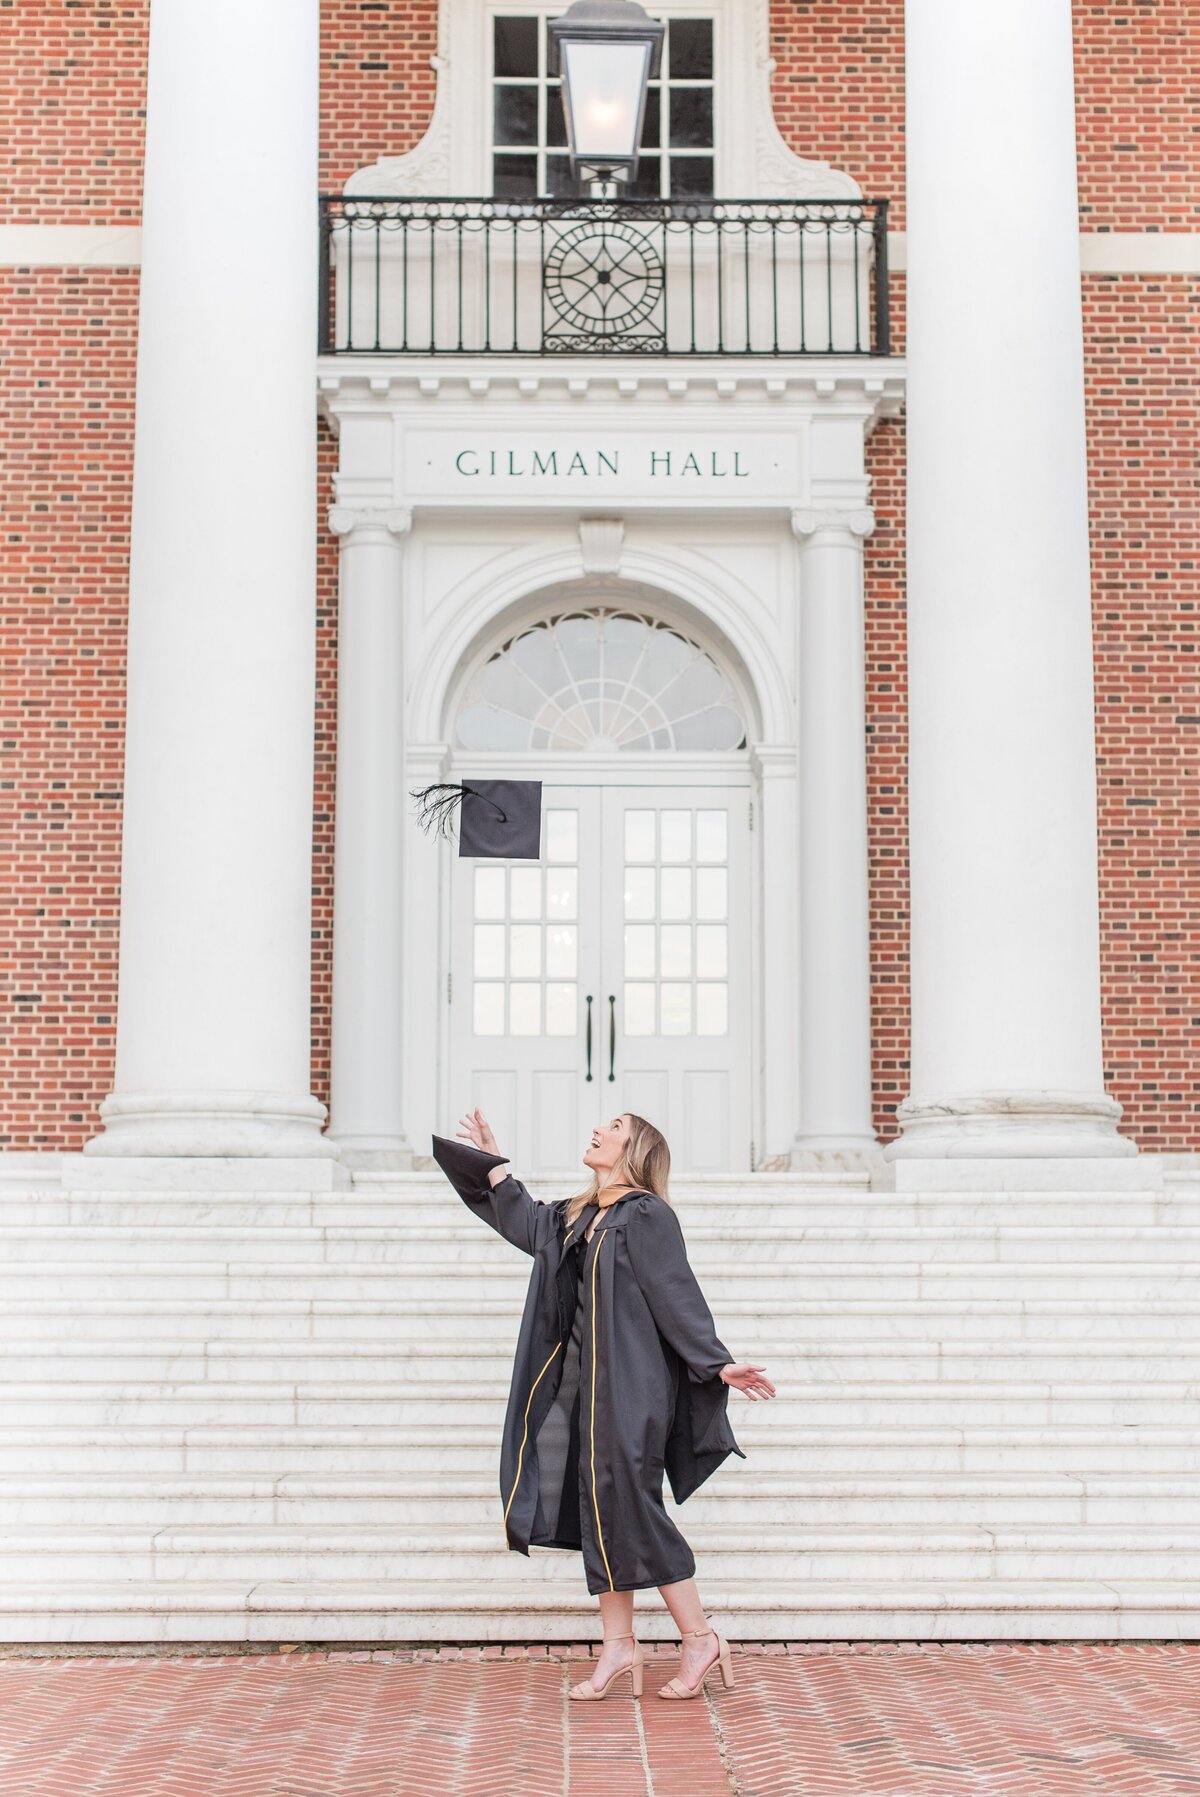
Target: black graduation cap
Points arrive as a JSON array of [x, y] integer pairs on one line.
[[498, 819], [465, 1166]]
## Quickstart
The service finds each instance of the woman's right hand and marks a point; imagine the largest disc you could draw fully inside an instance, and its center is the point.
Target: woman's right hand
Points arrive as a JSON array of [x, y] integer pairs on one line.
[[474, 1127]]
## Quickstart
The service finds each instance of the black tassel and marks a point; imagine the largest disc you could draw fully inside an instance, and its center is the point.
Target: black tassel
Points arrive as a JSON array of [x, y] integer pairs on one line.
[[436, 805]]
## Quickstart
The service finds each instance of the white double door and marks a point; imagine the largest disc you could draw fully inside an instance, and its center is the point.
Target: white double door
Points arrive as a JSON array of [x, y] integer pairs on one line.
[[614, 975]]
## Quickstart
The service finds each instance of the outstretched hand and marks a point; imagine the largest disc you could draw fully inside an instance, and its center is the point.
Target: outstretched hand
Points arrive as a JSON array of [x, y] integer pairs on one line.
[[474, 1127], [745, 1378]]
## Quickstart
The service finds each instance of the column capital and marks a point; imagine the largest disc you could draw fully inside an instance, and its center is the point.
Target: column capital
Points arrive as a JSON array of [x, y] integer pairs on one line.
[[854, 521], [394, 519]]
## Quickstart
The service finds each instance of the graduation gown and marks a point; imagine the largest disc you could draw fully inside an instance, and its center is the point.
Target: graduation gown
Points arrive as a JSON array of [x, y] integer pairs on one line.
[[644, 1396]]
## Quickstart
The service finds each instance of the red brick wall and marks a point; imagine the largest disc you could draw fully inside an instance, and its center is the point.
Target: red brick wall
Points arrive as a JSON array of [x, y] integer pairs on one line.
[[887, 775], [1143, 344], [75, 75], [326, 767], [67, 420]]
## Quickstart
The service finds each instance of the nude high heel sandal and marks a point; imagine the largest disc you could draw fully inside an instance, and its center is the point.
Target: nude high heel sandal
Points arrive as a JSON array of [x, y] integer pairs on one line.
[[676, 1689], [586, 1689]]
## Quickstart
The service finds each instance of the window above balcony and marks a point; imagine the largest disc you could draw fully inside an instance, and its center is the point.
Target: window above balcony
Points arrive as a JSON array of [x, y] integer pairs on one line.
[[528, 133], [712, 130]]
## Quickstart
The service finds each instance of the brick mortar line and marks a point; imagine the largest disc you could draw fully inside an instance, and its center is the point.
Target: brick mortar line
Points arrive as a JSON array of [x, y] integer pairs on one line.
[[723, 1752]]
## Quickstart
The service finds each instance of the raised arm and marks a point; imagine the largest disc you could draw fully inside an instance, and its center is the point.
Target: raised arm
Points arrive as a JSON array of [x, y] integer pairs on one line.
[[477, 1175], [654, 1242]]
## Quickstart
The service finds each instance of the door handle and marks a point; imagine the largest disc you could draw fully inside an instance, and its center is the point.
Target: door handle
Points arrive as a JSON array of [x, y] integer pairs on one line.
[[612, 1033], [589, 1035]]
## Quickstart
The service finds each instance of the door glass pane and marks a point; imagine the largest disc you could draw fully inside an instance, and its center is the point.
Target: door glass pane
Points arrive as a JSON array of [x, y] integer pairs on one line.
[[711, 836], [489, 1009], [676, 829], [676, 892], [525, 1010], [711, 892], [639, 950], [562, 892], [639, 836], [675, 950], [525, 892], [712, 951], [639, 892], [560, 1008], [489, 892], [676, 1009], [639, 1009], [489, 950], [561, 949], [525, 950], [562, 836], [712, 1009]]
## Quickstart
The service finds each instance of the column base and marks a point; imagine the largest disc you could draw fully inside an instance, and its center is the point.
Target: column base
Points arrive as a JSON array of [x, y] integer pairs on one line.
[[1010, 1125], [212, 1124]]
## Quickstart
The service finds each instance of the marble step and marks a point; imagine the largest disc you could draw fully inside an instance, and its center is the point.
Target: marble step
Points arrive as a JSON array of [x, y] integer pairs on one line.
[[712, 1250], [506, 1275], [281, 1322], [276, 1450], [478, 1401], [760, 1204], [1149, 1359], [986, 1500], [399, 1553], [511, 1608]]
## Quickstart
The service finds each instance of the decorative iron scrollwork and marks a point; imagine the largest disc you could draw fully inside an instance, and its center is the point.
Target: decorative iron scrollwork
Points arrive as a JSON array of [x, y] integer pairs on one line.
[[604, 279]]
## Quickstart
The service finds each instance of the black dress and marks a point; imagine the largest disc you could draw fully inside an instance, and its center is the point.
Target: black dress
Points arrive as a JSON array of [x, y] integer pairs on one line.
[[616, 1379]]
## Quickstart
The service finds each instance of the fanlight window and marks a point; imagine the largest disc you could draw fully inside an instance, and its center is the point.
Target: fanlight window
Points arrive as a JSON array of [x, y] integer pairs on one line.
[[600, 680]]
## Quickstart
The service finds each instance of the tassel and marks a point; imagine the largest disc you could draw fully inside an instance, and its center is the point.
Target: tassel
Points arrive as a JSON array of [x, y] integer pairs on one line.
[[436, 805]]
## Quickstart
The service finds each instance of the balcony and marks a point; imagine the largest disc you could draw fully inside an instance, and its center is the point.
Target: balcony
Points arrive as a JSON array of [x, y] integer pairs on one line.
[[472, 277]]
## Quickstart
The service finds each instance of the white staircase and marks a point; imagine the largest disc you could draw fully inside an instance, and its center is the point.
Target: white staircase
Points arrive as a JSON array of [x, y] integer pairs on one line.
[[270, 1417]]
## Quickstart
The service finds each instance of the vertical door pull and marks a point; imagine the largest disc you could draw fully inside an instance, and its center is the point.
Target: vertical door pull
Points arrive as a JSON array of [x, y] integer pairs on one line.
[[589, 1035], [612, 1033]]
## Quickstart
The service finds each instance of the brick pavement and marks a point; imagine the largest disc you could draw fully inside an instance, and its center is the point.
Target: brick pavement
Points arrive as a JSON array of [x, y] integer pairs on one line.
[[804, 1720]]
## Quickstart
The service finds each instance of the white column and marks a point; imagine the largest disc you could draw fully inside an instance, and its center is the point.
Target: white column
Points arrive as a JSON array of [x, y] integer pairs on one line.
[[213, 1034], [835, 968], [1006, 1053], [367, 1090], [778, 975]]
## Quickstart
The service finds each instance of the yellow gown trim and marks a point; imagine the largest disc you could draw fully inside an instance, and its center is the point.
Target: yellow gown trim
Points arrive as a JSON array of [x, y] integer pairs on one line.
[[595, 1505]]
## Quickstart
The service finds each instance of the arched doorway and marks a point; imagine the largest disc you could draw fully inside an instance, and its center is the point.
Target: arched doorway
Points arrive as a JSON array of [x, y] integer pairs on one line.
[[616, 974]]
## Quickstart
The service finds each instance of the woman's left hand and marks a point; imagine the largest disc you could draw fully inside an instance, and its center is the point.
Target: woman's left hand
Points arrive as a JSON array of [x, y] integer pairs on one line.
[[747, 1378]]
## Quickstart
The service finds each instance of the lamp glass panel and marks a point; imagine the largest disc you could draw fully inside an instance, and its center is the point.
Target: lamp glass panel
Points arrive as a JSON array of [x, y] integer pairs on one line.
[[604, 97]]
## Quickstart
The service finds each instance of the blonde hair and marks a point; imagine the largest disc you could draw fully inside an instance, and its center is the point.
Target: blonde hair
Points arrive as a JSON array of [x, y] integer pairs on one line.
[[644, 1165]]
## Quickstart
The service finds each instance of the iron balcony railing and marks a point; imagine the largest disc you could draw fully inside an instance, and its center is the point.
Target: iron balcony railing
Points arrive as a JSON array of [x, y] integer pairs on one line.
[[584, 277]]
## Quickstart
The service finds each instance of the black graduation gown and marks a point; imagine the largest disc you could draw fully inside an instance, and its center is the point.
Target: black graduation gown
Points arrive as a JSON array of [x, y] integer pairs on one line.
[[650, 1396]]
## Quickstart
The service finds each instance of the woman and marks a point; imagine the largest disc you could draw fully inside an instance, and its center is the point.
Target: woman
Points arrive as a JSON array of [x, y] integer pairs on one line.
[[619, 1376]]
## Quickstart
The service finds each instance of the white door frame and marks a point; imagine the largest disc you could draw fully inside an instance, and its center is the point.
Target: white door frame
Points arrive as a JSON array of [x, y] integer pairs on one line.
[[773, 573], [665, 768]]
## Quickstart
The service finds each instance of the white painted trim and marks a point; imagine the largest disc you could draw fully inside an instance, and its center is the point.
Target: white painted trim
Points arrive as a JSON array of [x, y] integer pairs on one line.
[[1108, 252], [1139, 252], [120, 246], [70, 246]]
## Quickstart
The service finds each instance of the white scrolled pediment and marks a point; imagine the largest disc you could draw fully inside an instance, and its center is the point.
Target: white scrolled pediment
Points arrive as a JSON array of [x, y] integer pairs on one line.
[[752, 158]]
